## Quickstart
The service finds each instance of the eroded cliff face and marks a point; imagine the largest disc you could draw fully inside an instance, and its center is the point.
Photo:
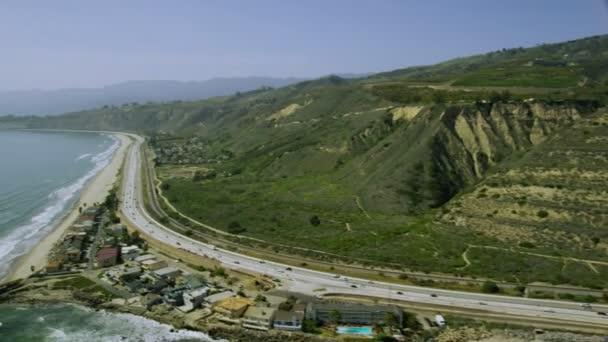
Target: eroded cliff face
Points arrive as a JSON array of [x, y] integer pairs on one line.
[[475, 138], [438, 152]]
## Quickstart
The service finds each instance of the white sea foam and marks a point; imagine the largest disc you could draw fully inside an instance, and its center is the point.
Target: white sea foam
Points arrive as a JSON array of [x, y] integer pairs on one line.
[[21, 239], [83, 156], [121, 327]]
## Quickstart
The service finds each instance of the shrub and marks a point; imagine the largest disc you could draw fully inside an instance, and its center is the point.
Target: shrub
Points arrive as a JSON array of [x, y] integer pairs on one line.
[[490, 287], [542, 213], [526, 244], [235, 228], [315, 220]]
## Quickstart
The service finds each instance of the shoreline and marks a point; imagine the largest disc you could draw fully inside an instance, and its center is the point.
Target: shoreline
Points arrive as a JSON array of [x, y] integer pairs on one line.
[[95, 190]]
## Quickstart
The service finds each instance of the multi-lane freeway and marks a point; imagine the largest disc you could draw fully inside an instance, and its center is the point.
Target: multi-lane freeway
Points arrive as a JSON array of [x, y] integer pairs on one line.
[[315, 283]]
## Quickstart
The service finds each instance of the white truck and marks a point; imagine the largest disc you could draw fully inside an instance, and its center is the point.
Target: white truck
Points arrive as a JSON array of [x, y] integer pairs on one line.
[[439, 320]]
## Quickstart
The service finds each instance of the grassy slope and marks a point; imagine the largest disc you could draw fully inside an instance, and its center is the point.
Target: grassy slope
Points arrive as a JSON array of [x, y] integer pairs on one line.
[[343, 156]]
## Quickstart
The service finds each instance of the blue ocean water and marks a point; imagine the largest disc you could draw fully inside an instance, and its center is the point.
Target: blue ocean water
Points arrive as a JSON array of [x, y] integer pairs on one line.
[[41, 175], [73, 323]]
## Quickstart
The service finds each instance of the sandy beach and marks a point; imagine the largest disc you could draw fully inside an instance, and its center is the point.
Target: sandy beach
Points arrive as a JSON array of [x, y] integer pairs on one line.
[[95, 191]]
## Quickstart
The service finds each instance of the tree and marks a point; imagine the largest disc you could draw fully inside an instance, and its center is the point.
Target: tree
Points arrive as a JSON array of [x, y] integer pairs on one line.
[[390, 320], [309, 326], [490, 287], [260, 298], [335, 316], [542, 213], [235, 228], [439, 97], [315, 220]]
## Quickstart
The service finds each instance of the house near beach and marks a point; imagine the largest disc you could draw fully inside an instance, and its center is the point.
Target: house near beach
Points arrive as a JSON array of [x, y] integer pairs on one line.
[[258, 318], [107, 256]]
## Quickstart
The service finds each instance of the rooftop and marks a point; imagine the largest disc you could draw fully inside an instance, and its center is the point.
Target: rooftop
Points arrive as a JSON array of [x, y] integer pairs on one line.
[[219, 296], [234, 303], [144, 257], [149, 262], [166, 270], [255, 312], [201, 291], [106, 253], [134, 269], [281, 315]]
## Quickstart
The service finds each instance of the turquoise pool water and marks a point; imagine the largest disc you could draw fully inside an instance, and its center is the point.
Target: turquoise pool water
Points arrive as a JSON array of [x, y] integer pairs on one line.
[[355, 330]]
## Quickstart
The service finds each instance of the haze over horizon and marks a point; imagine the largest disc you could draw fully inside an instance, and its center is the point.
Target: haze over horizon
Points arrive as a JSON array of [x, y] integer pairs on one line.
[[67, 44]]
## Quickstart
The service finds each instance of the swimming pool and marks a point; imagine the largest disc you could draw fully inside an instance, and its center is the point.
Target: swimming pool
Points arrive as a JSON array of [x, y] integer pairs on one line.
[[354, 330]]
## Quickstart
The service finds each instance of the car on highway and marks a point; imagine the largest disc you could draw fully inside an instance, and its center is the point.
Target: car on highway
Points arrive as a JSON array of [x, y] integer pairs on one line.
[[353, 286], [601, 313], [336, 276], [289, 269], [433, 295], [237, 262], [399, 292], [262, 262]]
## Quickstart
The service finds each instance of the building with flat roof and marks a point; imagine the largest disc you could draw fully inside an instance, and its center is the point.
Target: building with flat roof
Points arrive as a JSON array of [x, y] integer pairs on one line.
[[352, 313], [131, 273], [168, 272], [214, 298], [232, 307], [193, 299], [258, 318], [107, 256], [129, 252], [288, 320], [144, 257], [154, 264]]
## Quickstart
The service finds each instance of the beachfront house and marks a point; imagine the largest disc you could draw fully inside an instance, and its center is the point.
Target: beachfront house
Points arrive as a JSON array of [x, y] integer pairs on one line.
[[53, 266], [232, 307], [288, 320], [193, 299], [217, 297], [107, 256], [352, 313], [258, 318]]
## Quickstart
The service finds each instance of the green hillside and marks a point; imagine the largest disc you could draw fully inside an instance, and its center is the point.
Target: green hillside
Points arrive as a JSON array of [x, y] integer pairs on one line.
[[391, 169]]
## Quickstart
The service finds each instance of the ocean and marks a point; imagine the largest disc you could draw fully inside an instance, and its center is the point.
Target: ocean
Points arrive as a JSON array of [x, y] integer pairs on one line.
[[74, 323], [41, 176]]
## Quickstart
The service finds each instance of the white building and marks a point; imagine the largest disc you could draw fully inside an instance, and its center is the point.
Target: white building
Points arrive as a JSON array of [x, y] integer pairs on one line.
[[214, 298], [193, 299], [288, 320], [129, 252], [144, 257], [258, 318]]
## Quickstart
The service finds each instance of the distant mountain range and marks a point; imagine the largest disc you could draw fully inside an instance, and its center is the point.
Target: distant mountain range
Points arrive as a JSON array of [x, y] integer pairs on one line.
[[53, 102]]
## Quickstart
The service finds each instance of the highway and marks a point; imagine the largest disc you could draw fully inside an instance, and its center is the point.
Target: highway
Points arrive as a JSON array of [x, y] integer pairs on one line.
[[315, 283]]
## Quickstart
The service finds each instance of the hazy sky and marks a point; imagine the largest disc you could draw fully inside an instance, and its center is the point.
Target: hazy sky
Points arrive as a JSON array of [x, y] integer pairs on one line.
[[58, 44]]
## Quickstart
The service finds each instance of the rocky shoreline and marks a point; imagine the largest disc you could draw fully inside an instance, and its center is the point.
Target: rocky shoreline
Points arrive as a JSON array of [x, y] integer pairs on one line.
[[36, 294], [40, 294]]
